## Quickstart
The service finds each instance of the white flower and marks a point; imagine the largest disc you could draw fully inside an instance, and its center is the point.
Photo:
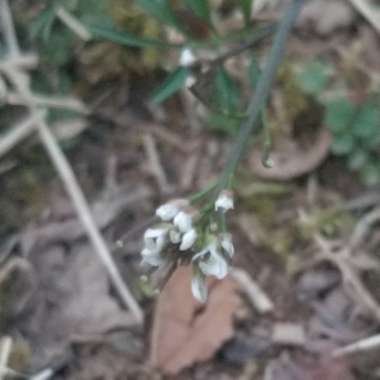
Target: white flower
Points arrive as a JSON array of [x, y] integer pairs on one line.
[[188, 240], [168, 211], [187, 57], [225, 201], [199, 286], [211, 261], [183, 221], [227, 245], [155, 239], [174, 236], [152, 258], [190, 81]]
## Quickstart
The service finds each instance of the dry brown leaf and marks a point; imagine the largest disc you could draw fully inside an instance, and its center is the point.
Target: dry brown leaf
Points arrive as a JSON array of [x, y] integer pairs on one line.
[[186, 332]]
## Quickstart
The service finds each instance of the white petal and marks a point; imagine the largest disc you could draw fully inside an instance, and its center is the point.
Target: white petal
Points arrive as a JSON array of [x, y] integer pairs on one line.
[[155, 239], [199, 287], [227, 245], [225, 201], [155, 232], [214, 265], [174, 236], [188, 240], [187, 57], [152, 258], [183, 221], [167, 211]]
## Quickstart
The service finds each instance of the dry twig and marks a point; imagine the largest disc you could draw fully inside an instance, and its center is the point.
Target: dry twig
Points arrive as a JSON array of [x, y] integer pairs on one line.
[[340, 257], [370, 13], [6, 349], [367, 344], [20, 81], [256, 295], [155, 165]]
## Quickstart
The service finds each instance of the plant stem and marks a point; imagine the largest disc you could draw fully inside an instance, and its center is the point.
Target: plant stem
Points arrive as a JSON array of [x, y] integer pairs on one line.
[[261, 94]]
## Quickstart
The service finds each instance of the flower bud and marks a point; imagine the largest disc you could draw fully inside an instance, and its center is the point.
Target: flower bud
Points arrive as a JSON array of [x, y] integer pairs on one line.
[[199, 286], [169, 210], [183, 221], [225, 201], [188, 240]]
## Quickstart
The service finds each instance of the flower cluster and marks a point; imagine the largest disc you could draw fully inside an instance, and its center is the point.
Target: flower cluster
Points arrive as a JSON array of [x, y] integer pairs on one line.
[[182, 229]]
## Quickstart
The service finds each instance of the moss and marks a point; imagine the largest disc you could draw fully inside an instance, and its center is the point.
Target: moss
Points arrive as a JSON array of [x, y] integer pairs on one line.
[[20, 355], [295, 100]]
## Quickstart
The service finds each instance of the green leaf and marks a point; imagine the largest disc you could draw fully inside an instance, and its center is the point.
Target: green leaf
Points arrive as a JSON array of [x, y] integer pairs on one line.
[[200, 8], [370, 174], [343, 145], [227, 94], [126, 38], [366, 125], [160, 9], [339, 115], [246, 8], [173, 82], [254, 71], [223, 123], [313, 77], [357, 159], [42, 25]]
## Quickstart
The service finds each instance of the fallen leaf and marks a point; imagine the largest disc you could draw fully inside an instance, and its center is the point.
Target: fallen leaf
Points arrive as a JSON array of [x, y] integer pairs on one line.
[[72, 300], [326, 17], [186, 332], [307, 368]]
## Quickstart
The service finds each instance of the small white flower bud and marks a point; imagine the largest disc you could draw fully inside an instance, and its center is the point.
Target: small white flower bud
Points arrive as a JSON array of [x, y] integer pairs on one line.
[[190, 81], [183, 221], [155, 238], [225, 201], [175, 236], [227, 245], [199, 287], [187, 57], [214, 264], [168, 211], [188, 240], [150, 257]]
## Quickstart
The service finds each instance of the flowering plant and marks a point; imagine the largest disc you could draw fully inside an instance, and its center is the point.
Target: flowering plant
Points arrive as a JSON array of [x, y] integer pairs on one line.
[[188, 234]]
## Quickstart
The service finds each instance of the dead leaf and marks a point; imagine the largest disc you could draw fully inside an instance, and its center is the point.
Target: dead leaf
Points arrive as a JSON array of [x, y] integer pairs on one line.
[[304, 368], [186, 332], [72, 300], [326, 16]]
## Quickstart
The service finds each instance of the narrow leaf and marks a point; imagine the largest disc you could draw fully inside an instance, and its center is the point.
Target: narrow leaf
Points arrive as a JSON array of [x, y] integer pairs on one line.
[[126, 38], [200, 8], [246, 8], [174, 82], [227, 94], [254, 71], [159, 9]]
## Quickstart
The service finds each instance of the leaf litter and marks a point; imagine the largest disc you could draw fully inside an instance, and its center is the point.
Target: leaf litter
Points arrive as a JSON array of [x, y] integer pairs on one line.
[[184, 332]]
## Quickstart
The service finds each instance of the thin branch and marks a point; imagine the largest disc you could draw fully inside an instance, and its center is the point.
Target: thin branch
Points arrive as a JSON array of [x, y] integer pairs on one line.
[[367, 344], [6, 348], [73, 23], [9, 32], [362, 228], [262, 91], [370, 13], [20, 81], [15, 135], [68, 103]]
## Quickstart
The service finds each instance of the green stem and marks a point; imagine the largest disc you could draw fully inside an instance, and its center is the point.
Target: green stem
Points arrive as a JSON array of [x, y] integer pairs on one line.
[[261, 94]]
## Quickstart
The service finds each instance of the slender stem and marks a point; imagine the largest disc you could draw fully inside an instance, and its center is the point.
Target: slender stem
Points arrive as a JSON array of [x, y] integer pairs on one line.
[[261, 92]]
